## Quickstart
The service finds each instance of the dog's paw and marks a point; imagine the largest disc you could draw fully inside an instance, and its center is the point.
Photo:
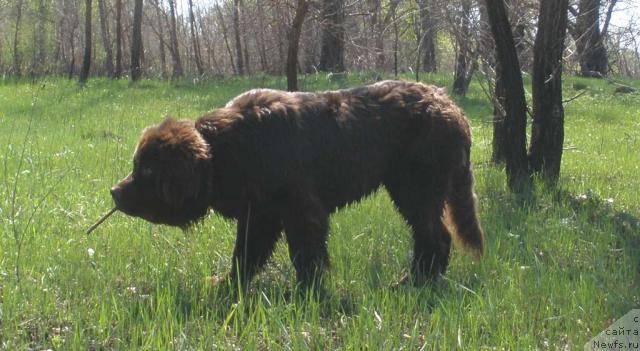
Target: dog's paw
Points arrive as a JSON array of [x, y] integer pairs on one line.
[[415, 280], [404, 280], [216, 280]]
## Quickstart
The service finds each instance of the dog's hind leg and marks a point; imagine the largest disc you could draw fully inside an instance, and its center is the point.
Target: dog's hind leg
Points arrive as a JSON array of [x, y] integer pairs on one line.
[[257, 233], [306, 223], [421, 203]]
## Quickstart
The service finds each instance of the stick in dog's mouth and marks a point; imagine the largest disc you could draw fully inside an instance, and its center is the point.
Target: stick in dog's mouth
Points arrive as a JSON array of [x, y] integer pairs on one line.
[[102, 219]]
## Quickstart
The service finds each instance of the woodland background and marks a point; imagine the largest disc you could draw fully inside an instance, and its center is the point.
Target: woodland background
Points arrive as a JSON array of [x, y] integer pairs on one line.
[[199, 38]]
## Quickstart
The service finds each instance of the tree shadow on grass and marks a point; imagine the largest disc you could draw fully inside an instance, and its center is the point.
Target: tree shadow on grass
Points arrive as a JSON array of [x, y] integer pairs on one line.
[[583, 213], [621, 231], [599, 211]]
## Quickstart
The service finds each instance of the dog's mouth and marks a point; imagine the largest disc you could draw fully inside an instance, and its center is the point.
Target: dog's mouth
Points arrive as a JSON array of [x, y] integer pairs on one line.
[[129, 208], [153, 211], [154, 218], [147, 216]]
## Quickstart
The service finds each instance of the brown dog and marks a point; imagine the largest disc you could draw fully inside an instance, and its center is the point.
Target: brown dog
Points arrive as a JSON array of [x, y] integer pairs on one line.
[[278, 161]]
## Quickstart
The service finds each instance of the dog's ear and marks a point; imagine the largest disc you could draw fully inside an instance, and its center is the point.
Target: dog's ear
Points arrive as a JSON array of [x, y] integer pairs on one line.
[[183, 137], [182, 181]]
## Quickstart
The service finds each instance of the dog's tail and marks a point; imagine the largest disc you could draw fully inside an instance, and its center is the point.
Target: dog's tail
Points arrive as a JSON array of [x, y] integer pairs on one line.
[[460, 211]]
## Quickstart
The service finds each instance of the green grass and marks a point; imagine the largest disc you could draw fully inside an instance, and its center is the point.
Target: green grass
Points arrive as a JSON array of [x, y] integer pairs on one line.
[[557, 271]]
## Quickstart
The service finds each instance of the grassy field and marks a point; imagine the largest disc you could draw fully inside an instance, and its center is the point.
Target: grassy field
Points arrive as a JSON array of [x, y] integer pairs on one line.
[[557, 271]]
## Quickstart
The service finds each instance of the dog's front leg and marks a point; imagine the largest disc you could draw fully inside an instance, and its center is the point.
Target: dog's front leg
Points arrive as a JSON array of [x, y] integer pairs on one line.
[[258, 231], [306, 223]]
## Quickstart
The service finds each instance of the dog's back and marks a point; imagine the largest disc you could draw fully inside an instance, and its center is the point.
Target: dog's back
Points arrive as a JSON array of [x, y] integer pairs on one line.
[[345, 142], [352, 140]]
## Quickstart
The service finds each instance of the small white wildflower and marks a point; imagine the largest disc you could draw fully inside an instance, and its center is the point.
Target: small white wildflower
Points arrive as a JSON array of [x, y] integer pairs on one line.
[[91, 252], [378, 320], [610, 201]]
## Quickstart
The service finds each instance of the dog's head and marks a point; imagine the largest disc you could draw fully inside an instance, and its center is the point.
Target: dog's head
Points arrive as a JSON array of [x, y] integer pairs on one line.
[[169, 181]]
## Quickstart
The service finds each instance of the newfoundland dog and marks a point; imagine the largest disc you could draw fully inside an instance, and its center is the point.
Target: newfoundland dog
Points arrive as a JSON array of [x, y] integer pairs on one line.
[[278, 162]]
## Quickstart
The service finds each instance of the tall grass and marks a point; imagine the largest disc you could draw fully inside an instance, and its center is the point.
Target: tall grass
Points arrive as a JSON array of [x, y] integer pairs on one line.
[[557, 270]]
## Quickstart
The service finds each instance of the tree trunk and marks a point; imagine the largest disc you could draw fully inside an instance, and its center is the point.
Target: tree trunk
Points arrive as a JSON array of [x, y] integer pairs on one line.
[[72, 44], [2, 71], [607, 20], [225, 37], [294, 41], [381, 28], [118, 70], [41, 51], [261, 44], [591, 50], [547, 134], [106, 40], [58, 53], [379, 49], [136, 42], [332, 42], [374, 8], [238, 42], [194, 40], [206, 27], [245, 49], [86, 58], [427, 41], [162, 42], [512, 99], [175, 49], [395, 47], [281, 32], [245, 40], [16, 41], [463, 55]]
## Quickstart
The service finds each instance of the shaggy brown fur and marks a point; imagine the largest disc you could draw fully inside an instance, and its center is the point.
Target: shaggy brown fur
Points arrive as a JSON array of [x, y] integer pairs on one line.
[[278, 161]]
